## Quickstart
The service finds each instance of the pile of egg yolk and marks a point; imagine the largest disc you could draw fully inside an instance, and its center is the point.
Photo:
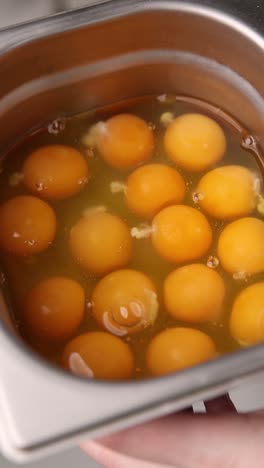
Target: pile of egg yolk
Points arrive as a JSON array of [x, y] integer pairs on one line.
[[125, 302], [247, 316], [152, 187], [181, 234], [28, 225], [194, 142], [228, 192], [175, 349], [194, 293], [99, 355], [54, 309], [100, 243], [241, 246], [55, 172], [124, 141]]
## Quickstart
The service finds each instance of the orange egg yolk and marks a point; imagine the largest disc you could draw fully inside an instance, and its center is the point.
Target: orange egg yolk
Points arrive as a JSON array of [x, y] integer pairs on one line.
[[100, 243], [124, 141], [181, 233], [194, 142], [54, 309], [228, 192], [28, 225], [125, 302], [152, 187], [99, 355], [175, 349], [194, 293], [55, 172], [241, 246], [247, 316]]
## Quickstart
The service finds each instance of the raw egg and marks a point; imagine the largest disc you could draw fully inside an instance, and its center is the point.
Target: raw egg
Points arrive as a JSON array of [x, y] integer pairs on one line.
[[125, 302], [99, 355], [101, 242], [55, 172], [124, 141], [194, 293], [181, 233], [175, 349], [152, 187], [54, 309], [28, 225], [228, 192], [194, 142], [247, 317], [241, 246]]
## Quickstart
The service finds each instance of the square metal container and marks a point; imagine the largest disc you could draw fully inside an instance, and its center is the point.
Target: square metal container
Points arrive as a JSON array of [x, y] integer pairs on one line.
[[85, 59]]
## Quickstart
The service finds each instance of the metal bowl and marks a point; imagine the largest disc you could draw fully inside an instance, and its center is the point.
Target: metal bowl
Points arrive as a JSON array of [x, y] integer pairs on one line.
[[88, 58]]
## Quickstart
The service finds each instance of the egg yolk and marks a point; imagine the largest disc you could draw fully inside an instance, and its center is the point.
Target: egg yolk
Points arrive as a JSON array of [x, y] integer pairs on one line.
[[124, 141], [247, 316], [241, 246], [228, 192], [152, 187], [194, 142], [54, 309], [175, 349], [99, 355], [194, 294], [181, 233], [100, 243], [55, 172], [125, 302], [28, 225]]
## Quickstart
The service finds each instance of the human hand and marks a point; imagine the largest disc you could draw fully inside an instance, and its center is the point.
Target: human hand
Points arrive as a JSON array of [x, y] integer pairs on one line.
[[219, 439]]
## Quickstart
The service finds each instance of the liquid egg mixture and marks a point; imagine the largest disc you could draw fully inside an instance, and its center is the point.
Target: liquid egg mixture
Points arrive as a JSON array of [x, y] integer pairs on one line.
[[132, 238]]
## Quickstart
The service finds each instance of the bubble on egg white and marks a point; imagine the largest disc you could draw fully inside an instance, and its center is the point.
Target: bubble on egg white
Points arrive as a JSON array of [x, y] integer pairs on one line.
[[56, 126], [197, 197], [212, 262], [152, 126]]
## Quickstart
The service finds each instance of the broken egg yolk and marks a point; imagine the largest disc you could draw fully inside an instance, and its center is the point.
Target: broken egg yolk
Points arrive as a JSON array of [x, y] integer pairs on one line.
[[194, 293], [55, 172], [125, 302], [124, 141], [181, 233], [175, 349], [28, 225], [100, 243], [152, 187], [241, 246], [99, 355], [228, 192], [247, 316], [194, 142], [54, 309]]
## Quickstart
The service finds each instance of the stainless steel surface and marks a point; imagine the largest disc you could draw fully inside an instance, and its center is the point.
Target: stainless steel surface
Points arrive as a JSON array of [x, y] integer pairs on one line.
[[88, 58]]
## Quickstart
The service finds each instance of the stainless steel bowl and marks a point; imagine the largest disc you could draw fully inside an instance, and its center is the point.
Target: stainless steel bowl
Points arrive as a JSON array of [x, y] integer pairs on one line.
[[88, 58]]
